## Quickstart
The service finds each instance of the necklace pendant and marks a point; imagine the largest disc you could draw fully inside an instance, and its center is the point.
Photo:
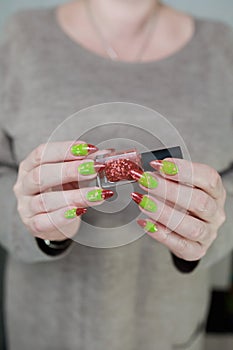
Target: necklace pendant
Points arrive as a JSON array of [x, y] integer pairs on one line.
[[112, 53]]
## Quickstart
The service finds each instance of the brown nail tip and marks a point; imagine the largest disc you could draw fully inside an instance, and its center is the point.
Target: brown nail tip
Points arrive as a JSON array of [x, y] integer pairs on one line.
[[136, 174], [141, 222], [81, 211], [137, 197], [91, 148], [107, 194], [99, 167]]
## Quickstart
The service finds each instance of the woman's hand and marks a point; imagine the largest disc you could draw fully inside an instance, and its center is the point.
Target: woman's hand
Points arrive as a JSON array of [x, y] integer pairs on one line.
[[185, 206], [49, 198]]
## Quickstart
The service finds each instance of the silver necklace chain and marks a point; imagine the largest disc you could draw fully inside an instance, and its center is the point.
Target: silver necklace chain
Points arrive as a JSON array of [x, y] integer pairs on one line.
[[110, 51]]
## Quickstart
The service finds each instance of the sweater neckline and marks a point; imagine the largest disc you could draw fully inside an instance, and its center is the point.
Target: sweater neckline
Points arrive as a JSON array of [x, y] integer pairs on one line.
[[97, 58]]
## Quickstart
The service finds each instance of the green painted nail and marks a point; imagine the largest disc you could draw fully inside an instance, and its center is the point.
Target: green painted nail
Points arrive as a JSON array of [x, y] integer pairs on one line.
[[169, 168], [80, 149], [70, 214], [150, 227], [94, 195], [148, 180], [86, 168], [148, 204]]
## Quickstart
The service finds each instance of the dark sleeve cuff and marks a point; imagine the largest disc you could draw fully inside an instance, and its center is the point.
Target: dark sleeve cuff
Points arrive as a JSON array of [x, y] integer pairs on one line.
[[184, 265], [53, 248]]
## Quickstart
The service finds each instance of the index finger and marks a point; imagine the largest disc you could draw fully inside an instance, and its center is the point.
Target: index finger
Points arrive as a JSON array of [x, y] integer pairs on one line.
[[54, 152], [190, 173]]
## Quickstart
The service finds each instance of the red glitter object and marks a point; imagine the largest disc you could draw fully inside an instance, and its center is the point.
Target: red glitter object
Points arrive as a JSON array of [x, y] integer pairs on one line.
[[120, 169]]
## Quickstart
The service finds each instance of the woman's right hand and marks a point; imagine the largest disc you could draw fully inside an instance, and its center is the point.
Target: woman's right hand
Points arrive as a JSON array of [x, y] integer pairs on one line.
[[47, 212]]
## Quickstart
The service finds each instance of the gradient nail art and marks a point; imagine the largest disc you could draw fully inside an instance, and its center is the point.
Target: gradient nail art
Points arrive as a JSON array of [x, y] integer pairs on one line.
[[83, 149], [98, 195], [144, 178], [90, 168], [144, 202], [72, 213], [167, 167], [148, 226]]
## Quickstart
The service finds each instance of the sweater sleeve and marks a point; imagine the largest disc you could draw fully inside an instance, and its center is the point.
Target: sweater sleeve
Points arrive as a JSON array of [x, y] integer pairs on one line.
[[14, 236], [223, 245]]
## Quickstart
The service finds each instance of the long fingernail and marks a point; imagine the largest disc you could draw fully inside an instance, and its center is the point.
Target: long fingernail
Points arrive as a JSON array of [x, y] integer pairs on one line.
[[72, 213], [148, 226], [167, 167], [83, 149], [144, 178], [90, 168], [98, 195], [81, 211], [144, 202]]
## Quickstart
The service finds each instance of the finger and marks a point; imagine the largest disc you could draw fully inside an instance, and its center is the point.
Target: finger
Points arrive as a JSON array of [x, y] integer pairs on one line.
[[42, 225], [178, 221], [189, 198], [102, 153], [50, 201], [54, 235], [55, 152], [190, 173], [49, 175], [180, 246]]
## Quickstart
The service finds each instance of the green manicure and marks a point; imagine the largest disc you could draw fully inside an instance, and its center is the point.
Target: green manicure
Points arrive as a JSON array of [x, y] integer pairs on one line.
[[147, 204], [70, 214], [150, 227], [169, 168], [94, 195], [86, 168], [80, 149], [148, 180]]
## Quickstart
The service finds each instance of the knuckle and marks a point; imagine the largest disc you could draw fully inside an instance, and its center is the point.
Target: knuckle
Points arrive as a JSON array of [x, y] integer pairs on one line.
[[16, 188], [20, 207], [222, 217], [182, 245], [36, 225], [37, 203], [21, 166], [214, 235], [224, 194], [25, 221], [202, 252], [38, 153], [36, 176], [214, 178], [198, 231], [206, 204]]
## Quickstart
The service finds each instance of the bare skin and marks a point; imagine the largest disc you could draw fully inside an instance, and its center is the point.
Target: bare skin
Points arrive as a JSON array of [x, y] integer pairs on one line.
[[123, 22]]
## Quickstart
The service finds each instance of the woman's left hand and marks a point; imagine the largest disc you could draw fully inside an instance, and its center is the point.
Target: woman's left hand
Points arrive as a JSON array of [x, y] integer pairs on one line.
[[184, 203]]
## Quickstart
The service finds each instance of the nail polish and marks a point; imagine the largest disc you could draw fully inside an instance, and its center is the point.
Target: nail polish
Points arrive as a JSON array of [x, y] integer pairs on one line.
[[90, 168], [148, 226], [81, 211], [72, 213], [167, 167], [144, 178], [144, 202], [83, 149], [98, 195], [117, 167]]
